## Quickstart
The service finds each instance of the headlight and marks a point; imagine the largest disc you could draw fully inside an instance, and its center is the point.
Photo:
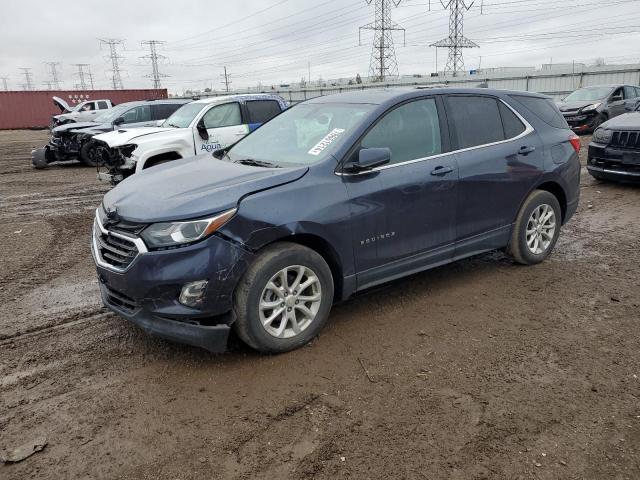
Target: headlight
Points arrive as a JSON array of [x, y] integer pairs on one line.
[[589, 108], [127, 150], [172, 234], [602, 135]]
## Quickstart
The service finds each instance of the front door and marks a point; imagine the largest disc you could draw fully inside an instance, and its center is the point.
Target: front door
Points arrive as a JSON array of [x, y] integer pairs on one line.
[[617, 103], [224, 127], [404, 213]]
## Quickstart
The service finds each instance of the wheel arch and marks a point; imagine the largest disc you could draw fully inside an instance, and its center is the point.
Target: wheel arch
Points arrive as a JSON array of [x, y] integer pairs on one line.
[[555, 189]]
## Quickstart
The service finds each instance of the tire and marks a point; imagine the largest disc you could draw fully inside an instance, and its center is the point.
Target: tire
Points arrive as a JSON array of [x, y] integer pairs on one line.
[[39, 158], [522, 245], [254, 302], [88, 154]]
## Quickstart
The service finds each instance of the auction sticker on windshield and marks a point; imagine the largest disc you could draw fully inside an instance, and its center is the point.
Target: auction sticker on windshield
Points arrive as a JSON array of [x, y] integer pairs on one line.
[[318, 148]]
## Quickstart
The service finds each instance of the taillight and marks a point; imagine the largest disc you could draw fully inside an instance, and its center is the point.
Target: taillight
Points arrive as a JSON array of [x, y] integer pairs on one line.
[[574, 140]]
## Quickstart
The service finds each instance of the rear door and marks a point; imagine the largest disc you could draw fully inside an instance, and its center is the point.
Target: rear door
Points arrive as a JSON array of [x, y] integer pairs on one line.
[[404, 213], [224, 127], [499, 159]]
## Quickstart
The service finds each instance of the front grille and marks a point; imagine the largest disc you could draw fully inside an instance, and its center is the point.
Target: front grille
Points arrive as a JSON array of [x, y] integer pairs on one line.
[[114, 250], [120, 300], [624, 139]]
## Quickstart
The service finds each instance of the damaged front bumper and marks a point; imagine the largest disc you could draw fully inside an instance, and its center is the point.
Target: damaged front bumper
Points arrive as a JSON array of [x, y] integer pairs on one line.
[[582, 122], [147, 292]]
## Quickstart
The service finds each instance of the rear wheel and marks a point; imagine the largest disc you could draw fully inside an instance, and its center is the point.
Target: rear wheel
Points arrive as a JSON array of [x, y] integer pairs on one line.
[[89, 154], [537, 228], [284, 299]]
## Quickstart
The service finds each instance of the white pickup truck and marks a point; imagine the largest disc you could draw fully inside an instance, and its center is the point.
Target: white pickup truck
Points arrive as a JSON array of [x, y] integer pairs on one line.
[[202, 126], [85, 111]]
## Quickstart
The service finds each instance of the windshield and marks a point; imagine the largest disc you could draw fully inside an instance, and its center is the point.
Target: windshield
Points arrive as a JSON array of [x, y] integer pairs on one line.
[[110, 115], [589, 94], [183, 117], [304, 134]]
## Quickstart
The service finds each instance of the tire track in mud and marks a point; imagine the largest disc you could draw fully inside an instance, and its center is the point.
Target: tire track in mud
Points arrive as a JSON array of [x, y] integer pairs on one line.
[[51, 203], [68, 246], [68, 320]]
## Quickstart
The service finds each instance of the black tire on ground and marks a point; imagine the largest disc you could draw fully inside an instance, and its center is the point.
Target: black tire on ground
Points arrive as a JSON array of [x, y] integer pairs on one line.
[[247, 296], [88, 154], [39, 158], [517, 247]]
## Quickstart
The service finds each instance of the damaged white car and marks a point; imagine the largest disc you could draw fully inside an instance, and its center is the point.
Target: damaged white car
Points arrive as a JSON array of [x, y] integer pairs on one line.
[[202, 126], [85, 111]]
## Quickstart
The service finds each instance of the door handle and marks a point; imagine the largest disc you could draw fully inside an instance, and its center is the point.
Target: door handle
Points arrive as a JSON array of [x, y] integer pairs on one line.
[[441, 170], [525, 150]]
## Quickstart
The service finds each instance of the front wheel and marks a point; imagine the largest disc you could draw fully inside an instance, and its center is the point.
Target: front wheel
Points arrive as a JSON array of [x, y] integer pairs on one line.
[[284, 298], [89, 154], [537, 228]]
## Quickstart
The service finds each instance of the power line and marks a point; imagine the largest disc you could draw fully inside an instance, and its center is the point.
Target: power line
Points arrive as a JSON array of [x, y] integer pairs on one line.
[[226, 79], [116, 78], [55, 79], [28, 78], [383, 55], [456, 40], [154, 57]]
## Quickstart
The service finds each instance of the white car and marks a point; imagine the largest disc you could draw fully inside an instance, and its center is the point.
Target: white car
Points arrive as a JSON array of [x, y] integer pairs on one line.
[[85, 111], [202, 126]]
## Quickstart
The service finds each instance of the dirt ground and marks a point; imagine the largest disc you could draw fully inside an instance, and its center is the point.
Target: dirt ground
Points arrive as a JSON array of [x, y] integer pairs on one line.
[[477, 370]]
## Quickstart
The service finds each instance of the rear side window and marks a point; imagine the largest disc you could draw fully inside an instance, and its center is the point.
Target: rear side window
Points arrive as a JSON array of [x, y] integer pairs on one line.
[[544, 109], [411, 131], [103, 105], [477, 120], [162, 111], [510, 121], [141, 113], [261, 111]]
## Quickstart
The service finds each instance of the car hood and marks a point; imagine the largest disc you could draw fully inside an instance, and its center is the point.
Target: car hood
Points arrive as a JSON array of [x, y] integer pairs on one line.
[[61, 104], [564, 106], [74, 126], [626, 121], [124, 136], [192, 188]]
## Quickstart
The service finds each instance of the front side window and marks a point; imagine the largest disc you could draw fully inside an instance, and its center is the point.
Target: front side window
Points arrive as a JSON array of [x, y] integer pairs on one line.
[[477, 120], [225, 115], [302, 135], [617, 95], [629, 92], [411, 131]]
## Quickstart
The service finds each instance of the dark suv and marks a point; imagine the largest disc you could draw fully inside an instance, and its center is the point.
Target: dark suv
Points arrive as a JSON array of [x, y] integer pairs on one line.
[[333, 196]]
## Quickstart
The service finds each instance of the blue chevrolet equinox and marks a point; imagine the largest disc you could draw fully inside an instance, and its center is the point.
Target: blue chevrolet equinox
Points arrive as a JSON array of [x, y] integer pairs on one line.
[[331, 197]]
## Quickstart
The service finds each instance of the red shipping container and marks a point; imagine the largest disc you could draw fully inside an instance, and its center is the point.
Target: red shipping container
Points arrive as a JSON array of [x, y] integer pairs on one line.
[[33, 109]]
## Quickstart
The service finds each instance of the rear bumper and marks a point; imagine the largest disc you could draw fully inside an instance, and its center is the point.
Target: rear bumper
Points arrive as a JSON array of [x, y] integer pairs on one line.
[[611, 163]]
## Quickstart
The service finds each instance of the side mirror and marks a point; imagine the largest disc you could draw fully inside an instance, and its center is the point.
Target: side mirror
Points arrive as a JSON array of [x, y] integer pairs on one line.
[[118, 121], [202, 131], [160, 122], [370, 158], [616, 98]]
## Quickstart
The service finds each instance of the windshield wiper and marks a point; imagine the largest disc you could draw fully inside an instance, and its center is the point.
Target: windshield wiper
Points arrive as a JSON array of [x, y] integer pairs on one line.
[[172, 125], [256, 163]]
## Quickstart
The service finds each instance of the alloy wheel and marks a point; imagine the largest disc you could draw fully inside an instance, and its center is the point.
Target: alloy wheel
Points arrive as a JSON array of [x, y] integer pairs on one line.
[[541, 228], [290, 301]]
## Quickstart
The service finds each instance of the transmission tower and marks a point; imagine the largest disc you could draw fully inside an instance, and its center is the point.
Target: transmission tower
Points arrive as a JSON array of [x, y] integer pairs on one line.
[[154, 57], [53, 70], [116, 78], [5, 84], [226, 79], [383, 55], [456, 40], [81, 75], [28, 79]]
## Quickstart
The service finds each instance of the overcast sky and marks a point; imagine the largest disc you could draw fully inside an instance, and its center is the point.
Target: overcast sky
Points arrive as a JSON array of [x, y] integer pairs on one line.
[[273, 41]]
